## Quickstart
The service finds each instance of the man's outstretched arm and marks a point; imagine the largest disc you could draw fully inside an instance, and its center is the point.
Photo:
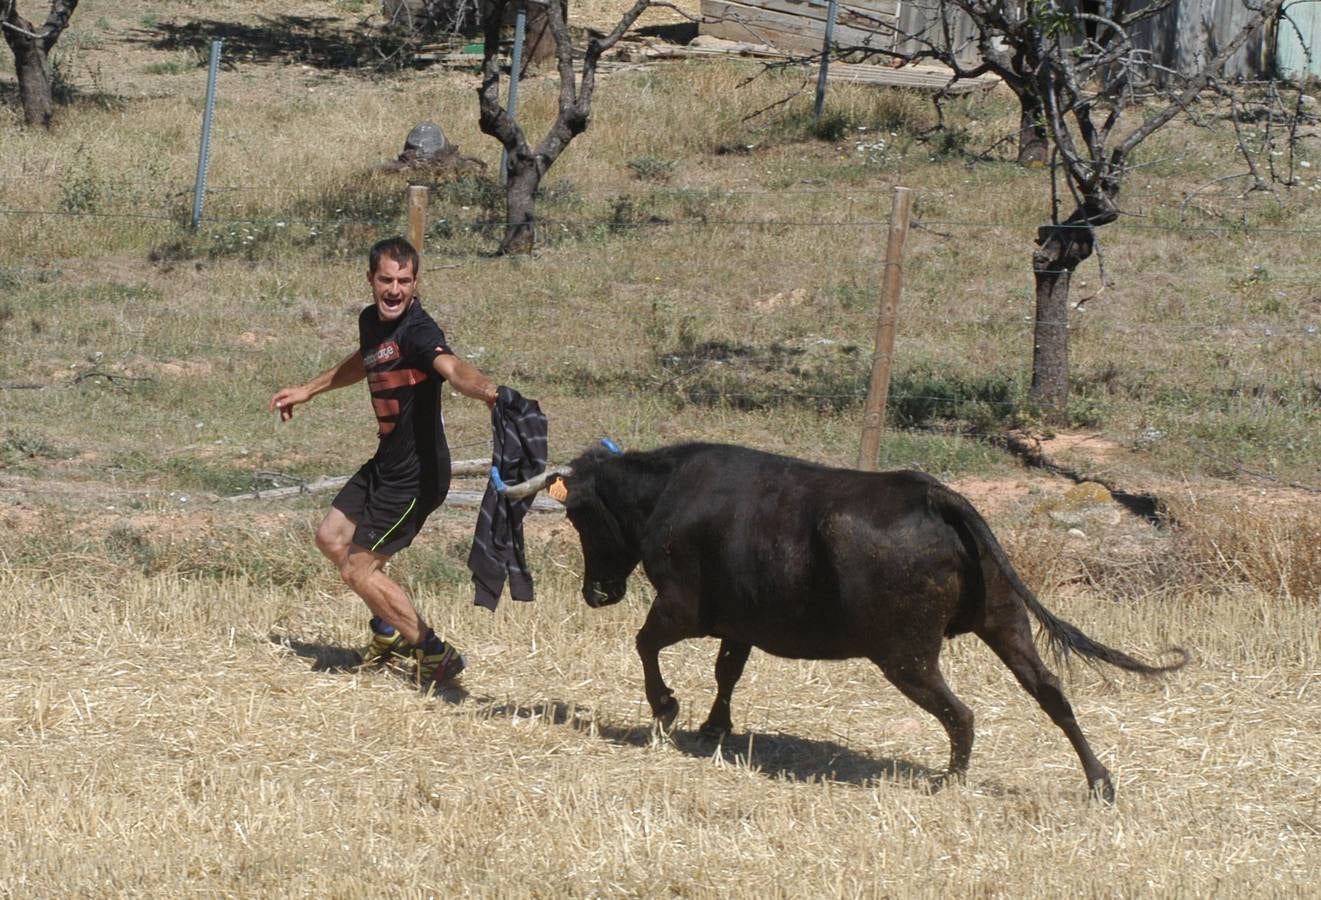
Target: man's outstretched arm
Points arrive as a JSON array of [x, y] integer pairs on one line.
[[466, 379], [349, 371]]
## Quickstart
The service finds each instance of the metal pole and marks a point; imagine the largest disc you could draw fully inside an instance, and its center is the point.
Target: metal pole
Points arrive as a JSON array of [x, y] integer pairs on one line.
[[199, 188], [825, 60], [520, 27], [878, 392], [417, 215]]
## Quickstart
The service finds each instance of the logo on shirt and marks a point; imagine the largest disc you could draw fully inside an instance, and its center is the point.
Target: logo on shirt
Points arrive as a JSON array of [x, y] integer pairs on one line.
[[386, 353]]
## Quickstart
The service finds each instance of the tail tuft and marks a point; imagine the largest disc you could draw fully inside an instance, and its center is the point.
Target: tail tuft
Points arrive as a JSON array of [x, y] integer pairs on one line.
[[1064, 639]]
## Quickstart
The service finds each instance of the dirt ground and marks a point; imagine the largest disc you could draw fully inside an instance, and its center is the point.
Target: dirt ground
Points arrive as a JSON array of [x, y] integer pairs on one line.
[[1075, 501]]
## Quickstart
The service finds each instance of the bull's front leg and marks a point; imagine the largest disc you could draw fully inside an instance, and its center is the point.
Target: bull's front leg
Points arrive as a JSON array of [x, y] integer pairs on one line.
[[666, 624]]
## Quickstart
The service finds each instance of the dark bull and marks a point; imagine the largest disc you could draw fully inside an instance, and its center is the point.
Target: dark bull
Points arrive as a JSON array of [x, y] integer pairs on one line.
[[810, 562]]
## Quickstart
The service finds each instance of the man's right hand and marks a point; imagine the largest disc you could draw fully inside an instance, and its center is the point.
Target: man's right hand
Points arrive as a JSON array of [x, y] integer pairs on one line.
[[284, 401]]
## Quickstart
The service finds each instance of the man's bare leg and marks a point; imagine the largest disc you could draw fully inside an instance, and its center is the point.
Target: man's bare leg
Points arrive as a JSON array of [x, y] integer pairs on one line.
[[364, 572]]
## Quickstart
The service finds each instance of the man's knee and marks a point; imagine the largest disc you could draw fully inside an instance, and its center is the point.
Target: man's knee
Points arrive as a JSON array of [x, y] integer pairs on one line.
[[334, 537], [357, 567], [331, 545]]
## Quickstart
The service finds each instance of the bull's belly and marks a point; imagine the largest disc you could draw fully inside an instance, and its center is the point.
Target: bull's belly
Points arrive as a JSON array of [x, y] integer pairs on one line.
[[795, 642], [828, 628]]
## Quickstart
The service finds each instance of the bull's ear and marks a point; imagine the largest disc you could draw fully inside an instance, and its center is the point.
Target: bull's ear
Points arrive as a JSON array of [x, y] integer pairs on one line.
[[559, 490]]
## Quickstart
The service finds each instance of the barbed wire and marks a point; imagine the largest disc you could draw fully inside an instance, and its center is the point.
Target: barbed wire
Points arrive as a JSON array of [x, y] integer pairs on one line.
[[1213, 189], [658, 222], [552, 185], [899, 398], [569, 188], [1013, 316], [1223, 390]]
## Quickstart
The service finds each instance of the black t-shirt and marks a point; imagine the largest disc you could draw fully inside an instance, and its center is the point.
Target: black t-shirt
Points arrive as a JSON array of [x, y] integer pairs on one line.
[[405, 391]]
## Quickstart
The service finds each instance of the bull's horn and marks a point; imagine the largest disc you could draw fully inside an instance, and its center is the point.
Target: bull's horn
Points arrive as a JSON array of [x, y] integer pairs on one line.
[[527, 488]]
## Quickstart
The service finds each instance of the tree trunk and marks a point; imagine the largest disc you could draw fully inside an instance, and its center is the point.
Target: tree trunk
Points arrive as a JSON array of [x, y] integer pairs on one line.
[[1050, 345], [526, 167], [32, 68], [31, 47], [1031, 132], [1060, 250], [520, 200]]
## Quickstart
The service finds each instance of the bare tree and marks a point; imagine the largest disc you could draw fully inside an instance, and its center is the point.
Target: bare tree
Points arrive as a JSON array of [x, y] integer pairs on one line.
[[1089, 96], [31, 47], [526, 164]]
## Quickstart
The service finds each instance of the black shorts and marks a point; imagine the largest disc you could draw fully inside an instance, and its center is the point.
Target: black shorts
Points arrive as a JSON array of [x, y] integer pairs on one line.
[[386, 516]]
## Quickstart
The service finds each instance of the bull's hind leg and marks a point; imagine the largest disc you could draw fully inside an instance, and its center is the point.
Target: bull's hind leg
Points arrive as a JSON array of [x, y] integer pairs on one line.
[[729, 668], [1012, 642], [920, 680]]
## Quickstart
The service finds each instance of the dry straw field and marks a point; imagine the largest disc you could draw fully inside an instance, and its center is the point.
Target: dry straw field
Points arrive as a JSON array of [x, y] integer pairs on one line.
[[176, 713]]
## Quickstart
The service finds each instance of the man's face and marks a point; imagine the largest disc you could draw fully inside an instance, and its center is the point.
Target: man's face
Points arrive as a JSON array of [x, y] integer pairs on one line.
[[393, 287]]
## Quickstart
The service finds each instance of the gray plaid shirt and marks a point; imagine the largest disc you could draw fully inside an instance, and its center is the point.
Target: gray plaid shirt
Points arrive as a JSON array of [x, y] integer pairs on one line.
[[519, 451]]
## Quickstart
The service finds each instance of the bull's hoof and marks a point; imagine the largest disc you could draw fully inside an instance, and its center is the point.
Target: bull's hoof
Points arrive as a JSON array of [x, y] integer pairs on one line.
[[665, 712], [942, 780], [715, 730], [1104, 790]]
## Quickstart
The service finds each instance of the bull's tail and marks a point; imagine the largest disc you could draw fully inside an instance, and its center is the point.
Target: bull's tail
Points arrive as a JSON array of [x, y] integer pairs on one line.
[[1062, 637]]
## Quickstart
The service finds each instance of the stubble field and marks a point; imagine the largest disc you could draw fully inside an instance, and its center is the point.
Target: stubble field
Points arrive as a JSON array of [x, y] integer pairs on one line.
[[176, 712]]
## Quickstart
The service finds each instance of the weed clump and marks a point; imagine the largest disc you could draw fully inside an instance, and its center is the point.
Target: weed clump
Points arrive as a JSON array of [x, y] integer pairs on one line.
[[1269, 546]]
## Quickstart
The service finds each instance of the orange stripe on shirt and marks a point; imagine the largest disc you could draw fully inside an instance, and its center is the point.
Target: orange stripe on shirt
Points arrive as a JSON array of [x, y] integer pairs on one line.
[[387, 414], [384, 381]]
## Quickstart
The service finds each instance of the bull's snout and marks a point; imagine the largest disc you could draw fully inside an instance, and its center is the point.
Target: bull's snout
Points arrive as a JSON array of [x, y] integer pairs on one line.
[[603, 593]]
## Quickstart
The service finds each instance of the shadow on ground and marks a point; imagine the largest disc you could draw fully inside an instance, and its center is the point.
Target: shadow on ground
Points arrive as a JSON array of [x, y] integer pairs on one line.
[[323, 42], [773, 755], [334, 659], [677, 33], [67, 96], [324, 657]]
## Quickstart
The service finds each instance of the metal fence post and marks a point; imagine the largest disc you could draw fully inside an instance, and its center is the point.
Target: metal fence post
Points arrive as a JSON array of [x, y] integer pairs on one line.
[[878, 392], [516, 64], [825, 61], [203, 156]]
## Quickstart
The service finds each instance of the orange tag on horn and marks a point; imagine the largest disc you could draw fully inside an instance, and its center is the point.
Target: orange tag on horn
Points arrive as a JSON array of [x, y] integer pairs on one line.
[[558, 490]]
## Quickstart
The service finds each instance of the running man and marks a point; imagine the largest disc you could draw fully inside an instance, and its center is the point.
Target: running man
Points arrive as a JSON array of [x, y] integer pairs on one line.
[[404, 357]]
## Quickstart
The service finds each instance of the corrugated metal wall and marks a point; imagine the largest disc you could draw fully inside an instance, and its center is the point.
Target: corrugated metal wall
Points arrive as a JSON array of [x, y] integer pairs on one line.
[[1191, 32], [1294, 37], [1180, 38], [923, 18]]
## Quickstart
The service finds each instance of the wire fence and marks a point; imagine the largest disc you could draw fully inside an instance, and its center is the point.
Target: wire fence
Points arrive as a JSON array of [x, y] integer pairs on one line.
[[766, 300]]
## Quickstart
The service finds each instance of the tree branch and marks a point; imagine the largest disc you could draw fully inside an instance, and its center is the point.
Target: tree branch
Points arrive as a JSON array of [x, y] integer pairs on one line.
[[56, 22], [1198, 82]]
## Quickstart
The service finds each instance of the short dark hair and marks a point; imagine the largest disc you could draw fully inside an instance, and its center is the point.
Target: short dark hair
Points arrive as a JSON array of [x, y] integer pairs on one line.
[[395, 248]]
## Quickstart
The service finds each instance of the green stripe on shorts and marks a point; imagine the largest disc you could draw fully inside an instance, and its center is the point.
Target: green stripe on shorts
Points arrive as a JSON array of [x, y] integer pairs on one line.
[[411, 504]]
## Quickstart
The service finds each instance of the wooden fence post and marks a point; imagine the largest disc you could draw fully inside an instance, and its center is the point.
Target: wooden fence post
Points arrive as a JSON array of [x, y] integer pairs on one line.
[[878, 391], [417, 215]]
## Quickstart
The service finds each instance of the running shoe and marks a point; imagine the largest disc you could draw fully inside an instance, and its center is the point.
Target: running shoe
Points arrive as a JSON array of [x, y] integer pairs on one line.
[[383, 647], [438, 663]]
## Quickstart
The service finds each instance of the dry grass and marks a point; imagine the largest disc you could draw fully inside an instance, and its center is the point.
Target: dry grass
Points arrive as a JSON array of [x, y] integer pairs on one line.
[[1260, 542], [167, 734], [168, 723]]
